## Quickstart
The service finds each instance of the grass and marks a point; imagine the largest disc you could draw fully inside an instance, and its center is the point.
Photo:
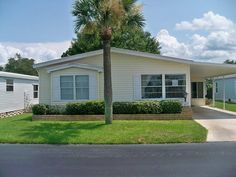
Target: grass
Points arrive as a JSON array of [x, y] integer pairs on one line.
[[228, 105], [21, 129]]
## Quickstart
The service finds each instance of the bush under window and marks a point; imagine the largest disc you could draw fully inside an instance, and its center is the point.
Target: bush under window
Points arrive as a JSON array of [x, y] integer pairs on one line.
[[97, 108]]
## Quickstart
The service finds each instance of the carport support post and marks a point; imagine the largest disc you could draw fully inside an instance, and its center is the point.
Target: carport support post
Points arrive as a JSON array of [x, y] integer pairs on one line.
[[223, 92], [213, 91]]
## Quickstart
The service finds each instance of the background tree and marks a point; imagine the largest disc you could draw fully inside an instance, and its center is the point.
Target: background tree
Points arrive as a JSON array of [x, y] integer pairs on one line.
[[1, 68], [136, 39], [20, 65], [105, 17], [230, 61]]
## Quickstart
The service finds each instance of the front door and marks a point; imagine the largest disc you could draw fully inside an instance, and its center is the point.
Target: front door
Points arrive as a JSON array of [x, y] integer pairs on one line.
[[197, 90]]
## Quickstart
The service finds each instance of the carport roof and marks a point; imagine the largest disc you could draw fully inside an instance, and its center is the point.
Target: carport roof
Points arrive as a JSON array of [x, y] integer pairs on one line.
[[209, 70]]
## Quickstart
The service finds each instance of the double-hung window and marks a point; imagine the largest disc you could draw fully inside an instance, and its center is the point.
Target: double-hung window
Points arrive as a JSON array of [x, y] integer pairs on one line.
[[36, 91], [9, 85], [151, 86], [74, 87], [82, 87], [67, 87], [175, 85]]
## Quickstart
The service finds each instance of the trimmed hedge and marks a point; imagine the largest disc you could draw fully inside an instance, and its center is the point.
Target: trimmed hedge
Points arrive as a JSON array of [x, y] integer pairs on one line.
[[137, 107], [170, 106], [39, 109], [97, 108], [43, 109], [82, 108]]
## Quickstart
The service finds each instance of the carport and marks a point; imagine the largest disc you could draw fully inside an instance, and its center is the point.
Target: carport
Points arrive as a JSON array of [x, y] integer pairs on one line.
[[200, 71]]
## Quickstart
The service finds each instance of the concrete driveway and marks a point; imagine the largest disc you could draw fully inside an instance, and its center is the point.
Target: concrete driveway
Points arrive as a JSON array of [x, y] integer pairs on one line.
[[221, 126]]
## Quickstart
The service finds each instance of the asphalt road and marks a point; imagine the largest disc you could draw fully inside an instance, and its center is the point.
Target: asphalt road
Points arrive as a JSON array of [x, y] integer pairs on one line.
[[173, 160]]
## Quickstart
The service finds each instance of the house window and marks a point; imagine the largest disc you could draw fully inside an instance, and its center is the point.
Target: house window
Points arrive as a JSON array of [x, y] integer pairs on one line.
[[74, 87], [67, 87], [36, 91], [151, 86], [175, 85], [217, 87], [197, 89], [9, 85], [82, 87]]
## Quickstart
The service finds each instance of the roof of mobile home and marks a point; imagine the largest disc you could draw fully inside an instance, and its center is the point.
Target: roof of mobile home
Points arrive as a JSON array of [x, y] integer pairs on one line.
[[203, 69], [17, 76]]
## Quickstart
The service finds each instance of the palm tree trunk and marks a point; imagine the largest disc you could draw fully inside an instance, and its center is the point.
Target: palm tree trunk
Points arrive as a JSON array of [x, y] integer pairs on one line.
[[107, 81]]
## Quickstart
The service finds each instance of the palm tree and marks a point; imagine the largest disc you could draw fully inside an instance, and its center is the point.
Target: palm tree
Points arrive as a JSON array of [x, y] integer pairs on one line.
[[106, 16]]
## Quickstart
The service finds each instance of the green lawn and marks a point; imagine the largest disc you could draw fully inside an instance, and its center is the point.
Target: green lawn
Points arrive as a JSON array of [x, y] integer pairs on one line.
[[228, 105], [21, 129]]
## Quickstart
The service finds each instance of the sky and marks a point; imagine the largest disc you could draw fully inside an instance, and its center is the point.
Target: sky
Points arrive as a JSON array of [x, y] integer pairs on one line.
[[202, 30]]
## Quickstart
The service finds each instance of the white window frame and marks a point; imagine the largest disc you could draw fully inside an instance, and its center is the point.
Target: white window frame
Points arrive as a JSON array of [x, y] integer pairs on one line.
[[74, 87], [7, 84], [175, 86], [152, 86], [80, 87], [36, 91]]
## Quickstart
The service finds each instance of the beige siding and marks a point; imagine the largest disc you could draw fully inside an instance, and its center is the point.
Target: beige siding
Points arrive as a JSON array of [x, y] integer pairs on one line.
[[44, 86], [124, 67]]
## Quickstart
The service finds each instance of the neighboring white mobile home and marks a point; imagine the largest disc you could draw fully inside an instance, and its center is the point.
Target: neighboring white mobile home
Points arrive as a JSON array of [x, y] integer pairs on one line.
[[135, 76], [17, 91]]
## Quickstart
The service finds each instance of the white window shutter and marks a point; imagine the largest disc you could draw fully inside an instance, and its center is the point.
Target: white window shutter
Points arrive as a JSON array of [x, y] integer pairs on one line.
[[92, 87], [56, 92], [137, 86]]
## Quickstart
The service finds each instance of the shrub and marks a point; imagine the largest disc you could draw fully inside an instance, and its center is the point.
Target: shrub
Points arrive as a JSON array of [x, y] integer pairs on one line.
[[89, 107], [170, 106], [55, 109], [97, 108], [137, 107], [39, 109]]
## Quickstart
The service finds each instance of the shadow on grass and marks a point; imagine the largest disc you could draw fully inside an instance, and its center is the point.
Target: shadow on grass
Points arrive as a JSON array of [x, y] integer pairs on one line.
[[25, 118], [57, 133]]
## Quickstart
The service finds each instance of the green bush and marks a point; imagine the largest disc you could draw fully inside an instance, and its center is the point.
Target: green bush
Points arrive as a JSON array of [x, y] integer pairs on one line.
[[89, 108], [97, 108], [39, 109], [170, 106], [137, 107], [55, 109]]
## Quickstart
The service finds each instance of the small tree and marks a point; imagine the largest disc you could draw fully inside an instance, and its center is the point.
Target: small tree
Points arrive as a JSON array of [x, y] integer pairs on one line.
[[230, 61], [20, 65]]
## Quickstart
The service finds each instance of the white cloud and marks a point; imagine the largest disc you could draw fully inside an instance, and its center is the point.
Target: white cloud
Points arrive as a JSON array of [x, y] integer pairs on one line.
[[38, 51], [217, 44], [209, 21], [171, 46]]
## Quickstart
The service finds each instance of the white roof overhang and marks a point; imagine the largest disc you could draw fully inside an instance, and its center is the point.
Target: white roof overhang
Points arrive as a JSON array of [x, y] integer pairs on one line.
[[198, 69], [210, 70], [17, 76], [82, 66]]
